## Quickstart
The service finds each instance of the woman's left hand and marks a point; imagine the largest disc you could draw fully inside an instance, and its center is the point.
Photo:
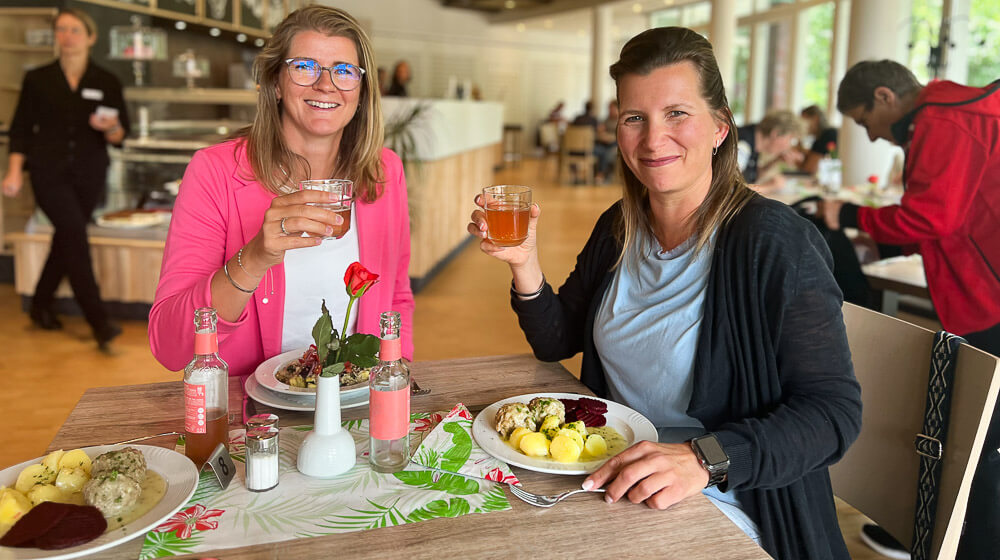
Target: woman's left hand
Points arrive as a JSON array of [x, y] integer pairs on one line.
[[104, 123], [659, 474]]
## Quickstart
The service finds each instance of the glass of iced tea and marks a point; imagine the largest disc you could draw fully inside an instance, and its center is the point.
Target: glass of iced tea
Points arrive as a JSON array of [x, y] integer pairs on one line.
[[507, 208], [343, 191]]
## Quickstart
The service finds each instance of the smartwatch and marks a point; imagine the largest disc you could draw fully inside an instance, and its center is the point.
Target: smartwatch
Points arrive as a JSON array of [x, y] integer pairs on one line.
[[713, 457]]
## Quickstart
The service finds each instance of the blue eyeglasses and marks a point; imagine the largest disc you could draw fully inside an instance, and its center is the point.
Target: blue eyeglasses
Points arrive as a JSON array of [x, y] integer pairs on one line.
[[306, 72]]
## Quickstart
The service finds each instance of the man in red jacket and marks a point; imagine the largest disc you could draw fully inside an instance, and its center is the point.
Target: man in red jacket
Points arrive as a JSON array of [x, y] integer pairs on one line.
[[951, 212]]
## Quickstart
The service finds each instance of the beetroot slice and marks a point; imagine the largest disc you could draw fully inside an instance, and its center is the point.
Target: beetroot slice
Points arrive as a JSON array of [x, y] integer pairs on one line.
[[33, 524], [81, 524], [592, 405], [591, 420]]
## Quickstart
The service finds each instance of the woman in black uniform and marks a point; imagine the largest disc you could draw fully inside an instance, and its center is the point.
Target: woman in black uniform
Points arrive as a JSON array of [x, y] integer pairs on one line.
[[68, 112]]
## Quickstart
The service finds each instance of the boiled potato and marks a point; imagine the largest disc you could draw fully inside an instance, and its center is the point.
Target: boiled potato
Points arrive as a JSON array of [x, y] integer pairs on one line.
[[13, 505], [516, 435], [550, 426], [579, 427], [534, 444], [32, 475], [596, 445], [74, 459], [45, 493], [565, 449], [71, 480], [572, 434], [51, 461]]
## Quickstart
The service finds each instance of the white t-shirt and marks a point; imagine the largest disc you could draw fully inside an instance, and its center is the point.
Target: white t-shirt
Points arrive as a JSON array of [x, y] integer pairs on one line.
[[312, 274]]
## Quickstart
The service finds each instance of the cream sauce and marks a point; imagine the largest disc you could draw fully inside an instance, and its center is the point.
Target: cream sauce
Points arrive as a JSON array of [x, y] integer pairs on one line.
[[153, 489], [616, 444]]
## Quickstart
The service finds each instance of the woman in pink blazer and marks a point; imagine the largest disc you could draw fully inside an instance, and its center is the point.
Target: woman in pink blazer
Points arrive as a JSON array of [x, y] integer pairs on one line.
[[244, 240]]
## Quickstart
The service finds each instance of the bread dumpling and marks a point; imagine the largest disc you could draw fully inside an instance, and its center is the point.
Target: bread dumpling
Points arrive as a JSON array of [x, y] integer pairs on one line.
[[514, 415], [547, 406]]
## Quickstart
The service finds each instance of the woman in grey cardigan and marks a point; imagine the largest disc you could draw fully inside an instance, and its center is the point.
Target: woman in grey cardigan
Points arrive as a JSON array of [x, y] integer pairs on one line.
[[705, 307]]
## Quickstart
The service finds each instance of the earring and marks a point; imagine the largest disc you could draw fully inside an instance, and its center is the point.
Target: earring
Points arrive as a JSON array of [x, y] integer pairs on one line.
[[715, 149]]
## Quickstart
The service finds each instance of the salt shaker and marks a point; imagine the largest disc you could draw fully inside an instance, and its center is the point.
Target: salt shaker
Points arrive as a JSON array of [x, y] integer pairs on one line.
[[266, 420], [262, 458]]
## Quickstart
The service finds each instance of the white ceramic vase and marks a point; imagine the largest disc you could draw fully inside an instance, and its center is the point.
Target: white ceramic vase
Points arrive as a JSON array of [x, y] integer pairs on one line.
[[328, 449]]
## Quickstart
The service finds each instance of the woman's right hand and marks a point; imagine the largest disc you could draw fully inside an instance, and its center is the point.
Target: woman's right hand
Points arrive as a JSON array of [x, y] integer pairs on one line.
[[12, 182], [288, 217], [517, 256]]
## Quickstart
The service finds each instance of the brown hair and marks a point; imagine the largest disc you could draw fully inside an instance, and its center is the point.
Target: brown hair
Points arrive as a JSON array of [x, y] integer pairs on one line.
[[814, 112], [728, 193], [858, 86], [361, 143], [84, 17]]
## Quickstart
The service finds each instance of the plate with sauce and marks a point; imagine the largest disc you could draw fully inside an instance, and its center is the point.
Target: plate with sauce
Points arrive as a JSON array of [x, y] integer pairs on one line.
[[171, 479], [266, 374], [626, 428]]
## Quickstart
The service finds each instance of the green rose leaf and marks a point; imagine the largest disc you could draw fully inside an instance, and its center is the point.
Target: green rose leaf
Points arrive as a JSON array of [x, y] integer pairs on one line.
[[335, 369], [360, 350], [322, 333], [440, 508]]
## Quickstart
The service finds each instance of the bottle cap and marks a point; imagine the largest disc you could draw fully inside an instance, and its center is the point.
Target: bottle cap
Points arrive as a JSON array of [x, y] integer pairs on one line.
[[265, 420]]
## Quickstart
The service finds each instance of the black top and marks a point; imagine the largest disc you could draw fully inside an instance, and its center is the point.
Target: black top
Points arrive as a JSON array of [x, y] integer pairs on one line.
[[50, 123], [397, 89], [823, 139], [746, 134], [773, 377]]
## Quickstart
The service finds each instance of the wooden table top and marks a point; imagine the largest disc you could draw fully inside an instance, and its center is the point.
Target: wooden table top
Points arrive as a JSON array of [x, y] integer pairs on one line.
[[693, 529]]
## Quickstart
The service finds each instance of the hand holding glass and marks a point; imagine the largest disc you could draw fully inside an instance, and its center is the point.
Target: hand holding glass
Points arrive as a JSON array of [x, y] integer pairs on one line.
[[343, 191], [507, 211]]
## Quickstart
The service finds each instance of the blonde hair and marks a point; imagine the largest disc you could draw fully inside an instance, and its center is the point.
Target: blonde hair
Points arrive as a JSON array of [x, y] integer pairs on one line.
[[782, 122], [728, 193], [360, 148]]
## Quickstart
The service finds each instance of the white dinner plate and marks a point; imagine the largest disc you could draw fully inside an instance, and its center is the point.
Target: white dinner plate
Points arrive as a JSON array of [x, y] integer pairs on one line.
[[300, 402], [177, 470], [634, 427], [266, 379]]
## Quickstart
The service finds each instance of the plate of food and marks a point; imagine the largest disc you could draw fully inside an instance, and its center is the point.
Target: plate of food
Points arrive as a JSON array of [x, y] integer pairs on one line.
[[134, 219], [290, 400], [100, 497], [294, 373], [559, 433]]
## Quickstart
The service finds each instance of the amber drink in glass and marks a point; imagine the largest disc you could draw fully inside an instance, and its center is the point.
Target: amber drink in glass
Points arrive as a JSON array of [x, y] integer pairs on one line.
[[507, 208], [342, 190]]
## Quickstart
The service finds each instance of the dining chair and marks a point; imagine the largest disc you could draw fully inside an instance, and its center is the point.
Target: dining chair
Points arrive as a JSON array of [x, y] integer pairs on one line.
[[577, 149], [548, 139], [879, 473]]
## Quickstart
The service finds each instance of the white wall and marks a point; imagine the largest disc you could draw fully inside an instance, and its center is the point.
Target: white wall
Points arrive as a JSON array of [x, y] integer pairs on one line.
[[528, 72]]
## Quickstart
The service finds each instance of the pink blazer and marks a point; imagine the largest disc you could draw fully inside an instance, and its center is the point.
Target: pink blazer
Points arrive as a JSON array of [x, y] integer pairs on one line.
[[219, 210]]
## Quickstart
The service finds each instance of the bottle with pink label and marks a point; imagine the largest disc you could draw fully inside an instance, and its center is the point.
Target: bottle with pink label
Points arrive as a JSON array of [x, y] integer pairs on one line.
[[389, 401], [206, 391]]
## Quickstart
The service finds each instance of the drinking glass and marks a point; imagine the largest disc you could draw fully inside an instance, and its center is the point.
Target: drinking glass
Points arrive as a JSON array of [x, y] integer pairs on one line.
[[507, 208], [343, 191]]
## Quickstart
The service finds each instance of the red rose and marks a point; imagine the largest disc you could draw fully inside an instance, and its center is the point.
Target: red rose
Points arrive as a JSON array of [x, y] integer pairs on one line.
[[358, 279], [831, 146], [873, 179]]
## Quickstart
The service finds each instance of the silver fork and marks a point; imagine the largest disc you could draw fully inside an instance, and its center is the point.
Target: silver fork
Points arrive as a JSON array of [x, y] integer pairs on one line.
[[415, 389], [538, 500]]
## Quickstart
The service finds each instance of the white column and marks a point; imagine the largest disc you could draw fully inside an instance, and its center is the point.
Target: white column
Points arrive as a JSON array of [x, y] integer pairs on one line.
[[872, 36], [600, 80], [956, 13], [722, 34]]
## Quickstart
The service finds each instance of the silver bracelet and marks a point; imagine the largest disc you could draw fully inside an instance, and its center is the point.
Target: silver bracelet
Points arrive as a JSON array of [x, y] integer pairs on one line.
[[239, 261], [532, 295], [225, 268]]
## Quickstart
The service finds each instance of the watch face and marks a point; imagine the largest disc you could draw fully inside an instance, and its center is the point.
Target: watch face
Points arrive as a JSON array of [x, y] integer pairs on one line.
[[711, 450]]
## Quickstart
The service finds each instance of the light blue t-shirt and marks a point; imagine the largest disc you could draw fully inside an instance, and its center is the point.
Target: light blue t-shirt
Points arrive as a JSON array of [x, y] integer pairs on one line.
[[646, 332]]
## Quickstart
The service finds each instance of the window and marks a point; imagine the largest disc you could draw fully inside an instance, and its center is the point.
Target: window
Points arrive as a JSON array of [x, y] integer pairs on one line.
[[984, 27], [816, 44]]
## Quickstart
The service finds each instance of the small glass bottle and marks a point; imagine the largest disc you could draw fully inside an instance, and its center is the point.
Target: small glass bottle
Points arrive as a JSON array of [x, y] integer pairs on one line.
[[262, 458], [206, 391], [389, 401]]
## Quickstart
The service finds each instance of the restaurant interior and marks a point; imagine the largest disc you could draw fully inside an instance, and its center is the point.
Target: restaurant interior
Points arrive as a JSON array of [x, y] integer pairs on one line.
[[486, 77]]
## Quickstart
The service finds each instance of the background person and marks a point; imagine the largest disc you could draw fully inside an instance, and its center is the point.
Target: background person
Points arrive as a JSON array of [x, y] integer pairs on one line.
[[400, 79], [67, 114], [705, 307], [773, 138], [606, 143], [235, 241], [951, 212], [823, 136]]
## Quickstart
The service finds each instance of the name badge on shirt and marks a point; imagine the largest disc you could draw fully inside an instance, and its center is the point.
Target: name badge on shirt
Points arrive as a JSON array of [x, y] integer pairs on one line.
[[92, 94]]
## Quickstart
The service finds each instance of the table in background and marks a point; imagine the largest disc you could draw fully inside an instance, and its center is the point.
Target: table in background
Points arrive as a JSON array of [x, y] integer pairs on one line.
[[693, 529], [895, 276]]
